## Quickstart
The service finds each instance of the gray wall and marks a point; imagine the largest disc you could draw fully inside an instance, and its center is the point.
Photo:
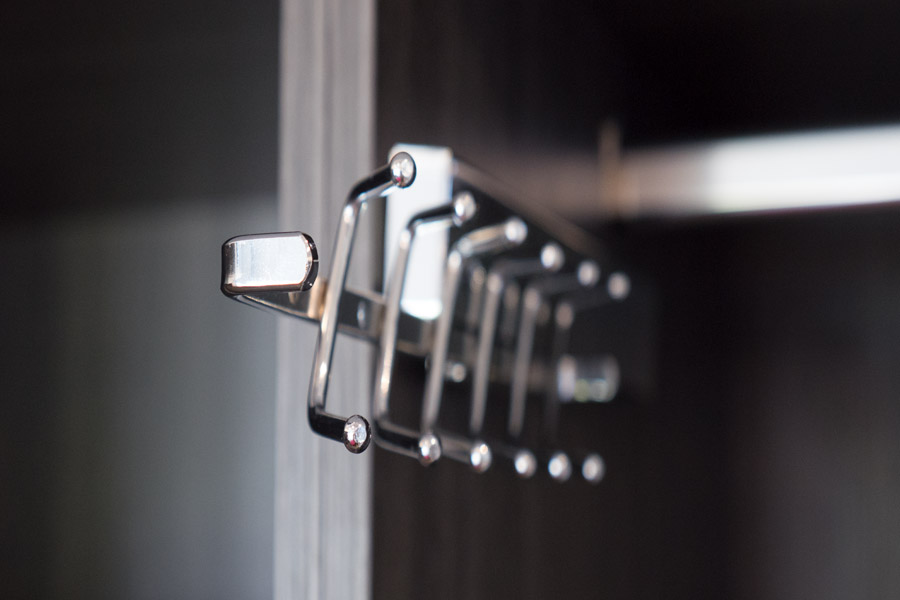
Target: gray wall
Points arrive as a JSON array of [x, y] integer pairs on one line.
[[136, 402]]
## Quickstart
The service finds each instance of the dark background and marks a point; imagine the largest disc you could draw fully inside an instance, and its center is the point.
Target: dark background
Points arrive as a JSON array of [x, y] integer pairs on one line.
[[136, 402], [758, 458], [755, 453]]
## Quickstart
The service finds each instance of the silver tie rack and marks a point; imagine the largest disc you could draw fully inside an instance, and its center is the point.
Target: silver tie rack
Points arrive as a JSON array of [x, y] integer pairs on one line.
[[513, 279]]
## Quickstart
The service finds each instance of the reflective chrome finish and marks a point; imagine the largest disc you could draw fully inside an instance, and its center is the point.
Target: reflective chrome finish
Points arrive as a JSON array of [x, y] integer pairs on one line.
[[560, 467], [278, 272], [357, 434], [483, 241], [533, 298], [269, 262], [414, 335], [525, 464], [399, 173], [593, 469], [486, 240], [424, 446], [551, 260], [480, 457], [618, 286], [582, 378]]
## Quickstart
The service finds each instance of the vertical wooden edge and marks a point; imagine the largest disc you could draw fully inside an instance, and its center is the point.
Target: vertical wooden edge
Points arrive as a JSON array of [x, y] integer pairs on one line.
[[323, 493]]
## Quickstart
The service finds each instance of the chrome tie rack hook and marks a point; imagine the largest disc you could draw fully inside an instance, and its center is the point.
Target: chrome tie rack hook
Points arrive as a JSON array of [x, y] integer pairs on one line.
[[501, 261]]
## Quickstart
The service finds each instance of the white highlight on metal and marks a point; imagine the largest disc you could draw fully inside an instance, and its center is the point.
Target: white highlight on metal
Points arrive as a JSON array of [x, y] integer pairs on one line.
[[260, 261], [525, 464], [552, 256], [618, 286], [560, 467], [480, 457], [593, 468], [588, 273], [422, 291]]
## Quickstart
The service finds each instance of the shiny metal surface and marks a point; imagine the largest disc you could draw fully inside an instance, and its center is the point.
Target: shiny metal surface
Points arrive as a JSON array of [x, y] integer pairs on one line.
[[592, 378], [357, 434], [399, 173], [618, 285], [486, 240], [525, 464], [559, 467], [551, 260], [269, 262], [593, 469], [423, 446], [533, 298], [492, 239], [414, 335], [276, 272]]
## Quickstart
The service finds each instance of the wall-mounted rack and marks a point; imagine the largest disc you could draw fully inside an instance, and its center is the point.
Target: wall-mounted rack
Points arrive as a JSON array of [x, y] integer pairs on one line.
[[509, 268]]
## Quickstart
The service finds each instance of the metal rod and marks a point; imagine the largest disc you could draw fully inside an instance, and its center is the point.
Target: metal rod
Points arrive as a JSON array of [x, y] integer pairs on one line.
[[586, 276], [425, 447], [354, 432], [551, 260], [486, 240]]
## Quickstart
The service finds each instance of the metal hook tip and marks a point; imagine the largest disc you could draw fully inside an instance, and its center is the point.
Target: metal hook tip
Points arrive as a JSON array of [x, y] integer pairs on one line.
[[357, 434], [480, 457], [560, 467], [464, 208], [593, 468], [403, 169], [429, 449], [515, 230], [525, 464], [588, 273]]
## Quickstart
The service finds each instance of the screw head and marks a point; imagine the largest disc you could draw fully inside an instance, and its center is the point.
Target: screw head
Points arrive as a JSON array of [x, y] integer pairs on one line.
[[588, 273], [357, 434]]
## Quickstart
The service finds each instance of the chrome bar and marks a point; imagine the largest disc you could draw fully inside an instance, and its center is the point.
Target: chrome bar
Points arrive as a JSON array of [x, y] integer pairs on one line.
[[354, 432], [535, 293], [424, 447], [551, 260], [486, 240]]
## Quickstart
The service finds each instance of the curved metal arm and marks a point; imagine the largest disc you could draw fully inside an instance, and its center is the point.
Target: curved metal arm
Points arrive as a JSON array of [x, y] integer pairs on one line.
[[533, 297], [567, 370], [389, 435], [486, 240], [354, 432], [551, 260]]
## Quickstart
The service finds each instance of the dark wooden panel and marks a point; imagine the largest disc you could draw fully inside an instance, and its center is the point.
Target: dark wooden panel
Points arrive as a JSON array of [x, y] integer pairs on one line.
[[112, 104], [757, 456]]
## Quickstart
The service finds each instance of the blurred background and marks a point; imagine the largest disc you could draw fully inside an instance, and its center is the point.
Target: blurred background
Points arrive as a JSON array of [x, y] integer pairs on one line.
[[137, 403], [137, 410]]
